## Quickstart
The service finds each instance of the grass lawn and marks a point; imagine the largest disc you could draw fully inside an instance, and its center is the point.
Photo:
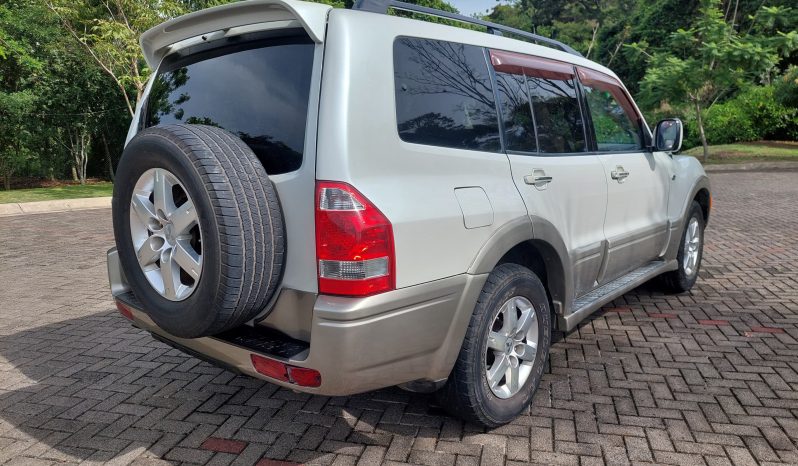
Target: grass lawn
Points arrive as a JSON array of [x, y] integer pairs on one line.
[[759, 151], [72, 191]]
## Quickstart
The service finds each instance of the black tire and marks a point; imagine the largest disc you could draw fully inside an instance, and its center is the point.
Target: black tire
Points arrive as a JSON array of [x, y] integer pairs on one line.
[[679, 281], [466, 393], [238, 212]]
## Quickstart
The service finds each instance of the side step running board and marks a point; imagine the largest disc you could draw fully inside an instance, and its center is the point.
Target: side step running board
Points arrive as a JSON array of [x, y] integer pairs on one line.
[[588, 303]]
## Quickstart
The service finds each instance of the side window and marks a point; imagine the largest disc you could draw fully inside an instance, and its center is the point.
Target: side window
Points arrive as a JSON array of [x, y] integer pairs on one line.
[[551, 92], [557, 115], [443, 95], [617, 125], [516, 112]]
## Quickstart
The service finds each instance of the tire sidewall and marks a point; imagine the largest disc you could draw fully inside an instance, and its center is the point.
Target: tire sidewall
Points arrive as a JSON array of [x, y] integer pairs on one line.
[[687, 281], [146, 152], [499, 410]]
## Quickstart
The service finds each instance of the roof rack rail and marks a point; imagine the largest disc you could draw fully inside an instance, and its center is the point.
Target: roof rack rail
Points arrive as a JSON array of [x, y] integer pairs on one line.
[[382, 6]]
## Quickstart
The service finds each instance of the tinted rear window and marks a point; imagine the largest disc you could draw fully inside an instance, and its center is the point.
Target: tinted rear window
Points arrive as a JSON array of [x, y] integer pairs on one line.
[[443, 95], [258, 91], [519, 126], [557, 115]]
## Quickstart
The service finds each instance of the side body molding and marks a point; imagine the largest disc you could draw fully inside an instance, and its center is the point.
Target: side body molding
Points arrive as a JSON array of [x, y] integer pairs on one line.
[[541, 235]]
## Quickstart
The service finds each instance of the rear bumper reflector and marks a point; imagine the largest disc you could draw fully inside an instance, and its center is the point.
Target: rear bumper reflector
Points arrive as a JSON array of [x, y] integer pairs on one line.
[[277, 370]]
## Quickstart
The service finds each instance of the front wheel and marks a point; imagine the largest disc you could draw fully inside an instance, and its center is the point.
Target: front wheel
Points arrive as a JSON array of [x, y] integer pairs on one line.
[[691, 250], [504, 352]]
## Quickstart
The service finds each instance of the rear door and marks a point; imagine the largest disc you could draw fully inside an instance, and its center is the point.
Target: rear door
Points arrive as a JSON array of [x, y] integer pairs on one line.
[[562, 184], [636, 223]]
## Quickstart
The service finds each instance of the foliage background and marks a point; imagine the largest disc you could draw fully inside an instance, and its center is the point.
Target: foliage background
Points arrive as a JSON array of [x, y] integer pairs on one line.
[[71, 70]]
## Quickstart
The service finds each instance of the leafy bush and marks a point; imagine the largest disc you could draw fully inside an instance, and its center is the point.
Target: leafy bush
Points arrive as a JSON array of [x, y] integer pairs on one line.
[[755, 113], [786, 93], [752, 114], [731, 121]]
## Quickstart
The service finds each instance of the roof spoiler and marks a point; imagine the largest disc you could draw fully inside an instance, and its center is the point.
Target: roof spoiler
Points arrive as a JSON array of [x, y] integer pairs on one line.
[[156, 41]]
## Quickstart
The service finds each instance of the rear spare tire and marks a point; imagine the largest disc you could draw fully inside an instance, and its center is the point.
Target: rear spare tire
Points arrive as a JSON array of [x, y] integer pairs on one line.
[[198, 228]]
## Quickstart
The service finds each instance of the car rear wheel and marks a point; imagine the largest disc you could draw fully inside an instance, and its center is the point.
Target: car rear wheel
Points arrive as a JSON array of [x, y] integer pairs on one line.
[[198, 228], [504, 352]]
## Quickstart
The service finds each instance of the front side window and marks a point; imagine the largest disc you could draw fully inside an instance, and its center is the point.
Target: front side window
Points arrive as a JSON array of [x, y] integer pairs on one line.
[[259, 91], [443, 95], [616, 124]]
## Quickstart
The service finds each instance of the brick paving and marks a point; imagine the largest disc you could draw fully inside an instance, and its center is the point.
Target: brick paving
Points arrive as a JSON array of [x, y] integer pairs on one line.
[[704, 378]]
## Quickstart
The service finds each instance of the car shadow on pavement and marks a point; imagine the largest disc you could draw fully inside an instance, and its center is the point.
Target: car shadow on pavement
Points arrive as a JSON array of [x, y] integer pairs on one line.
[[96, 388]]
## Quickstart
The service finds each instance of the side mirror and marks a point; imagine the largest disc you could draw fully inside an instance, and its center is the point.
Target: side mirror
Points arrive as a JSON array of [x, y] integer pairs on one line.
[[668, 135]]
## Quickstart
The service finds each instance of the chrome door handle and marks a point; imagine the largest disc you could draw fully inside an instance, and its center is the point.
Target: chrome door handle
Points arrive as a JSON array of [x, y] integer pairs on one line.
[[537, 180], [619, 174]]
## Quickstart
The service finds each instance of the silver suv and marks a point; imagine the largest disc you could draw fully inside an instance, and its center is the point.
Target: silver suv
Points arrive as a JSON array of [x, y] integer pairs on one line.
[[338, 200]]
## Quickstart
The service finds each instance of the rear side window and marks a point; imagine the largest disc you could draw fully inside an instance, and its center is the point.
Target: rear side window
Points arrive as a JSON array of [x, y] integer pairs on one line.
[[444, 95], [557, 114], [258, 91], [516, 111], [551, 90], [616, 123]]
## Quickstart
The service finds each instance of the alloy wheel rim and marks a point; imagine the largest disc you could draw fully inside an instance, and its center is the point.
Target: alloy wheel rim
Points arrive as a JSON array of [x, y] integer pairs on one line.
[[512, 347], [166, 235], [692, 243]]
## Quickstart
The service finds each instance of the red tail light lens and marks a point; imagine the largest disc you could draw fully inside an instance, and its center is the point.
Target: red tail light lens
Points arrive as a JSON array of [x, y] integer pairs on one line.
[[354, 243]]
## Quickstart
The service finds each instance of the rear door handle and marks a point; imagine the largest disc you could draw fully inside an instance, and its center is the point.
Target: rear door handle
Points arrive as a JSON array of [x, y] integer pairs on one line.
[[533, 180], [538, 178], [619, 174]]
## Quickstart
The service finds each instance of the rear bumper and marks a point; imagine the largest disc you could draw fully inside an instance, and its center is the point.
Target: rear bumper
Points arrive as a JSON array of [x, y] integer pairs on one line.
[[356, 344]]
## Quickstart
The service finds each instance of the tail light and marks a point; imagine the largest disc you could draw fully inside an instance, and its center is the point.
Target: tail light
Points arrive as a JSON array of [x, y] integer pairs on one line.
[[354, 243]]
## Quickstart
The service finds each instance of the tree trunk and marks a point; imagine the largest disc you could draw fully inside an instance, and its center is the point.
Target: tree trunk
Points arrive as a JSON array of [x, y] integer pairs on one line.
[[7, 181], [74, 172], [701, 133], [51, 156], [84, 154], [108, 159]]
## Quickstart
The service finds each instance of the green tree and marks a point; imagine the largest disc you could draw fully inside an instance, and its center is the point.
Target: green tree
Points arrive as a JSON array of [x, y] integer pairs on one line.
[[109, 31], [14, 133], [706, 62], [582, 24], [21, 67]]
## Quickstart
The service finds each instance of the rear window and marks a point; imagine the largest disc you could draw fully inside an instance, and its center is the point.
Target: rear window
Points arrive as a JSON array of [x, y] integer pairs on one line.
[[557, 115], [516, 111], [444, 96], [258, 90], [540, 104]]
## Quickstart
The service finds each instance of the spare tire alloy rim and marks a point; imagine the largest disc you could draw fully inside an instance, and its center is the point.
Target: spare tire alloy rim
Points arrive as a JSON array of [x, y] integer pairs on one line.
[[512, 346], [166, 234], [692, 242]]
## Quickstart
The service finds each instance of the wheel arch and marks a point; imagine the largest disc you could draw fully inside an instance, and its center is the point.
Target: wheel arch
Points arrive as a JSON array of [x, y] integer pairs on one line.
[[533, 243], [698, 192], [704, 199]]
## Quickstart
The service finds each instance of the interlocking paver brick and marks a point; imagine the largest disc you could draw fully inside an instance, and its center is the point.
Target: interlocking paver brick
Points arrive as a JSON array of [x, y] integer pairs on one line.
[[708, 377]]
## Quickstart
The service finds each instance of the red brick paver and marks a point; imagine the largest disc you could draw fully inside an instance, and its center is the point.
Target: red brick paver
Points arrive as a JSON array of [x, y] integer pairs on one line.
[[642, 382]]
